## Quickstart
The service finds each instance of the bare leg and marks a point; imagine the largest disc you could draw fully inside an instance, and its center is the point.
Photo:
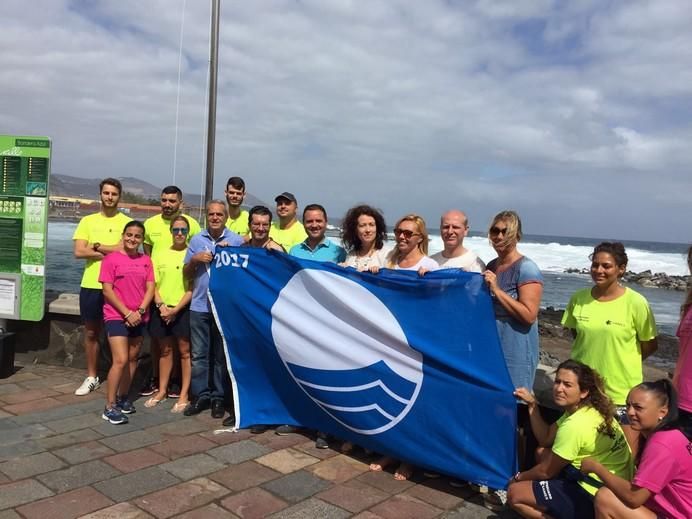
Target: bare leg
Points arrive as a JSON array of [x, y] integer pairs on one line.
[[608, 506], [92, 332], [119, 352], [133, 346], [165, 366], [520, 497], [404, 471], [185, 369]]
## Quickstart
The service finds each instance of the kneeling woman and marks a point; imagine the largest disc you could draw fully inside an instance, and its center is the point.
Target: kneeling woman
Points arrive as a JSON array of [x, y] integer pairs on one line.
[[554, 487], [127, 277], [662, 486]]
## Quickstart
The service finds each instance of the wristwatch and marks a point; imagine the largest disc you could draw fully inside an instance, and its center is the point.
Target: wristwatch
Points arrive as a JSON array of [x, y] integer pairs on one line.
[[96, 246], [141, 311], [159, 305]]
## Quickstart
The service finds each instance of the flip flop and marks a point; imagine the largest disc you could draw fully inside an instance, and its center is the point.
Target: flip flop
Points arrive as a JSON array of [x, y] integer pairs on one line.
[[153, 402], [179, 407]]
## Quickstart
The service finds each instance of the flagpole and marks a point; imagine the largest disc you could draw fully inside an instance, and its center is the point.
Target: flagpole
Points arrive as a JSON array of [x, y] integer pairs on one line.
[[211, 119]]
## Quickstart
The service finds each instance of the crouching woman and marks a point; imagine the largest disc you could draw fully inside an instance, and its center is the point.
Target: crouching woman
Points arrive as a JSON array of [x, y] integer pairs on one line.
[[587, 428]]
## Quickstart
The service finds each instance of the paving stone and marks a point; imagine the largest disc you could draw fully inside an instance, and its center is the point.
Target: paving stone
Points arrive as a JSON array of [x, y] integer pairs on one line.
[[22, 433], [33, 406], [20, 397], [69, 397], [48, 382], [212, 511], [131, 440], [286, 460], [119, 511], [65, 506], [78, 476], [296, 486], [438, 493], [83, 452], [384, 481], [275, 442], [27, 466], [135, 484], [8, 389], [15, 450], [107, 429], [74, 423], [9, 514], [183, 426], [192, 466], [243, 476], [311, 508], [135, 460], [366, 514], [469, 510], [225, 438], [179, 446], [71, 438], [58, 412], [238, 452], [181, 498], [253, 503], [4, 414], [21, 492], [338, 469], [309, 448], [353, 496], [405, 507]]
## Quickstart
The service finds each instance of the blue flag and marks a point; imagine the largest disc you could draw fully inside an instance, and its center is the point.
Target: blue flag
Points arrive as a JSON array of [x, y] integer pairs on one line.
[[406, 366]]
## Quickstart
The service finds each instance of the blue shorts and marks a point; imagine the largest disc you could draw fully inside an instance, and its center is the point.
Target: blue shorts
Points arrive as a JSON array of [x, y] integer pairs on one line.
[[563, 499], [120, 329], [91, 304], [178, 328]]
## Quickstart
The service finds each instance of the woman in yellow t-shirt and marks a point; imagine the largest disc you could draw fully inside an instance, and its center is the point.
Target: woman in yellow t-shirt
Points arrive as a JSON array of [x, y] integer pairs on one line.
[[588, 428], [171, 324]]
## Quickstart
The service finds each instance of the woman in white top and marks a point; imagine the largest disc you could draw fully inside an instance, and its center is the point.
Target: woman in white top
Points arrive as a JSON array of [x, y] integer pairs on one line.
[[411, 250], [363, 236]]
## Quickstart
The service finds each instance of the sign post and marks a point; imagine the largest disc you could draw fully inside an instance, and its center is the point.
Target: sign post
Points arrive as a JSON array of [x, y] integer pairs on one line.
[[24, 174]]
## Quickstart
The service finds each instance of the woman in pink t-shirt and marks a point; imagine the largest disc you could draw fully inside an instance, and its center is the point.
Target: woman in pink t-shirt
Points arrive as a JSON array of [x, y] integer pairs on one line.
[[127, 277], [662, 485], [682, 379]]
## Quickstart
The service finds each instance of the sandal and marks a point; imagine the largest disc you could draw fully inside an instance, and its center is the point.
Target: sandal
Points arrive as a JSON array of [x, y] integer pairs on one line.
[[153, 402], [179, 407]]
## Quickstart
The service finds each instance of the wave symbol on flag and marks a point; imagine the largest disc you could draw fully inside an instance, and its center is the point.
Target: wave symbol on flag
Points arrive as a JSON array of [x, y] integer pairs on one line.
[[353, 360]]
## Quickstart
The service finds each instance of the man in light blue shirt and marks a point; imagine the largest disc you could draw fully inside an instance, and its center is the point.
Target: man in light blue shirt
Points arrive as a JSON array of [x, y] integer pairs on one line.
[[210, 384], [316, 246]]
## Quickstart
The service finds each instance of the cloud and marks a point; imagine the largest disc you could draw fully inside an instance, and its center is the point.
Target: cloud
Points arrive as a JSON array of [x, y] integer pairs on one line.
[[556, 109]]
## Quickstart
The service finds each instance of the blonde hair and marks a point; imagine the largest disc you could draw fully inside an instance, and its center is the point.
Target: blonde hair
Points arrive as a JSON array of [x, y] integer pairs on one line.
[[422, 246], [513, 232]]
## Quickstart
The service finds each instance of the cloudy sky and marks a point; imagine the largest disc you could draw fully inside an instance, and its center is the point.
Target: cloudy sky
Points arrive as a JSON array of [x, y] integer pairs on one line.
[[577, 114]]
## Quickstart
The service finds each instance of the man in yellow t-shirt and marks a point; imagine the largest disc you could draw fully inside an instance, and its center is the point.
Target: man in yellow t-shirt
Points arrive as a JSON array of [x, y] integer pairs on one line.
[[238, 219], [96, 236], [157, 232], [158, 238], [288, 231]]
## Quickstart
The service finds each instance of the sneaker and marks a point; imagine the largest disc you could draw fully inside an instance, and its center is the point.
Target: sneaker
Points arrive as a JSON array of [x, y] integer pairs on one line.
[[114, 416], [258, 429], [125, 406], [173, 390], [495, 500], [90, 384], [321, 443], [151, 387], [283, 430]]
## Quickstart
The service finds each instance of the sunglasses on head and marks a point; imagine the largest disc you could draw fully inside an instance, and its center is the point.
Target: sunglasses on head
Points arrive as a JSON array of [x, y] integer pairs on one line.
[[180, 230], [405, 233]]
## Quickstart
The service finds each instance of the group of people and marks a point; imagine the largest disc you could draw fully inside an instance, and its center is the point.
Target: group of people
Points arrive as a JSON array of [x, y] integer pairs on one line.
[[612, 421]]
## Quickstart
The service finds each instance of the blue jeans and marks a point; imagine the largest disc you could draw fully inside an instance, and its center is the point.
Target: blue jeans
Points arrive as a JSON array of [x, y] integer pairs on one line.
[[210, 380]]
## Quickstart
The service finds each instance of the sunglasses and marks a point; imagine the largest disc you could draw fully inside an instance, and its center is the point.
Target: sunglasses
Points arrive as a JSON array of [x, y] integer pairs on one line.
[[180, 230], [496, 231], [405, 233]]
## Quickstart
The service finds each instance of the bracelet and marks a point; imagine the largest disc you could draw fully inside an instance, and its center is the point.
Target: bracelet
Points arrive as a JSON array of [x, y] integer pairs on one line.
[[516, 477], [128, 315]]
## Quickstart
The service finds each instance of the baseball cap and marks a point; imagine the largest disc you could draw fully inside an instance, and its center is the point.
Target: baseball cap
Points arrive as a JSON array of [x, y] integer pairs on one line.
[[287, 196]]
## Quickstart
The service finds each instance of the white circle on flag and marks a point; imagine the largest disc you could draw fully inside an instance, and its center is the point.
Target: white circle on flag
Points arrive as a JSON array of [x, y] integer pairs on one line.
[[346, 350]]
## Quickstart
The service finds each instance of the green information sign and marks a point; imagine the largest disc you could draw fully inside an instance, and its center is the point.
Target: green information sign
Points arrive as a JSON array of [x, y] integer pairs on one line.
[[24, 173]]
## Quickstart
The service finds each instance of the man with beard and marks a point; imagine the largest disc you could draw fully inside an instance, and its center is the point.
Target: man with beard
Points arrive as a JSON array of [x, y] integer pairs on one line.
[[96, 236], [237, 217], [158, 239], [288, 231]]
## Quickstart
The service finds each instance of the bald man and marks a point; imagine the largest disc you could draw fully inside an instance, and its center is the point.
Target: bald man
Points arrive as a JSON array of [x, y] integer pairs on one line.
[[454, 226]]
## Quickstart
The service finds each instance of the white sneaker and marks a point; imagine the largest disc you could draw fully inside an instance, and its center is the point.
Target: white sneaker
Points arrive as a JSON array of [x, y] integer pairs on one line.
[[90, 384]]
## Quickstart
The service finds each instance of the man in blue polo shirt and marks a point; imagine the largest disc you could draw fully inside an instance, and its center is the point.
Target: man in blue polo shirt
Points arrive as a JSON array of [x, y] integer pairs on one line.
[[210, 384], [316, 246]]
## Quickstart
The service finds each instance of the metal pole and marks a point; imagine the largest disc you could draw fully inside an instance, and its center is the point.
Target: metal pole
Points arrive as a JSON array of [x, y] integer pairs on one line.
[[211, 119]]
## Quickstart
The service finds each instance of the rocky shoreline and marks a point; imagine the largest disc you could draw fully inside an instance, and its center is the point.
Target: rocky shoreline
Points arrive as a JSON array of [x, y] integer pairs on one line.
[[556, 344], [648, 279]]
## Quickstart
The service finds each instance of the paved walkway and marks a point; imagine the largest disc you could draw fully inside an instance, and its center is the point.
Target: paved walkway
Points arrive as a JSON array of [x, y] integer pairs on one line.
[[60, 459]]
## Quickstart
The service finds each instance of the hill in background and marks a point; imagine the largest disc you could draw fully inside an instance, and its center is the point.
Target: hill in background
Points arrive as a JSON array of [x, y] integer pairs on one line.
[[77, 187]]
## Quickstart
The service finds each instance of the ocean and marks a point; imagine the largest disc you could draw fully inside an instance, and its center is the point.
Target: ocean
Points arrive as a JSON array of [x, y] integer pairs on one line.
[[553, 254]]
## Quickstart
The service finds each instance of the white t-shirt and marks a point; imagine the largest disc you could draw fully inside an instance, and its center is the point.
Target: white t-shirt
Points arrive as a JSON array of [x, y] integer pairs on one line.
[[377, 258], [426, 262], [468, 261]]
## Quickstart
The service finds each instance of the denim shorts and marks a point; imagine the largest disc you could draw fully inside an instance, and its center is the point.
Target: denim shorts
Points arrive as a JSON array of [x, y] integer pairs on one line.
[[120, 329], [91, 304]]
